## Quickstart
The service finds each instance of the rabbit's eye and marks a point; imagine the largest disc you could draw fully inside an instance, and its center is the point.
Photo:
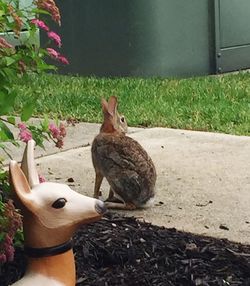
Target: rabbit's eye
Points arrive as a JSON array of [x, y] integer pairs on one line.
[[122, 119], [59, 203]]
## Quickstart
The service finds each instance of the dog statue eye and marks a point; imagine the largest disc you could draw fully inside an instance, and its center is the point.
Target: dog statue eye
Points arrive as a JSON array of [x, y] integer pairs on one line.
[[59, 203], [122, 119]]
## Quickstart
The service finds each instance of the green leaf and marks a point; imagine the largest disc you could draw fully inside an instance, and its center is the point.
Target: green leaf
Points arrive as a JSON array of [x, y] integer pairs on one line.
[[9, 61], [3, 176], [7, 100], [28, 110], [45, 123], [9, 73], [19, 238], [40, 11], [43, 66], [5, 133], [2, 236], [11, 120]]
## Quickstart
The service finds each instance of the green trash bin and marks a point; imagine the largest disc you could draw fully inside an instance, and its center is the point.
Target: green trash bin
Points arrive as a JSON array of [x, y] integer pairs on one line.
[[137, 38]]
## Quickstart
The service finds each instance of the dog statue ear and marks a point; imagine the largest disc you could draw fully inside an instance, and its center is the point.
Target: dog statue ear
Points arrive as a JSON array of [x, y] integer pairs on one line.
[[28, 164], [20, 186]]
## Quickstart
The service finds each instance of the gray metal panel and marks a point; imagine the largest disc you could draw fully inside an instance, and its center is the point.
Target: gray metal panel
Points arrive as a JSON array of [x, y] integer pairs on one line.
[[236, 58], [232, 35], [138, 38], [235, 22], [217, 36]]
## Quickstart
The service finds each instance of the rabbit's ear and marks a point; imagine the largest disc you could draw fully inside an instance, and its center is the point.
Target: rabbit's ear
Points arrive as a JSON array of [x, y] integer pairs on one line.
[[20, 185], [28, 164], [108, 123], [104, 106], [112, 105]]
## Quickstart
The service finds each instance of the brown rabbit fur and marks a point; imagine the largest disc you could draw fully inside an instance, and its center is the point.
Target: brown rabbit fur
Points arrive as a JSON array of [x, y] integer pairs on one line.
[[127, 167]]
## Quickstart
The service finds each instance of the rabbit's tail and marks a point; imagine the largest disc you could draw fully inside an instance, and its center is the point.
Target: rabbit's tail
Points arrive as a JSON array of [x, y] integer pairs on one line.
[[148, 204]]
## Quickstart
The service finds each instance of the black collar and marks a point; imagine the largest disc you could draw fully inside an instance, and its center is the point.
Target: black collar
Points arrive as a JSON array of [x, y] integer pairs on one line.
[[48, 251]]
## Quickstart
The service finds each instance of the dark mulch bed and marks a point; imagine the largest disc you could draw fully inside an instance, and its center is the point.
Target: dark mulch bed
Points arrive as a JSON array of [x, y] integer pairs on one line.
[[123, 251]]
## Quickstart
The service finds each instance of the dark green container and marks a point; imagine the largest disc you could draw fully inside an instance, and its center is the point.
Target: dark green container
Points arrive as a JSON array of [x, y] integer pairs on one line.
[[144, 37]]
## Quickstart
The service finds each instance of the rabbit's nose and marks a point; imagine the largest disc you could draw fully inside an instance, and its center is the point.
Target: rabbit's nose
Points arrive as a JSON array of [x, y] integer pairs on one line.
[[100, 207]]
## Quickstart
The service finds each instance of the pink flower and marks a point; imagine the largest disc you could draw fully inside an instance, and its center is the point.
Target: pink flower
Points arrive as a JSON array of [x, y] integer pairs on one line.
[[50, 6], [58, 133], [62, 130], [4, 44], [63, 60], [55, 55], [25, 135], [8, 239], [41, 179], [3, 258], [22, 66], [54, 130], [22, 126], [9, 252], [52, 53], [40, 24], [55, 37], [59, 143]]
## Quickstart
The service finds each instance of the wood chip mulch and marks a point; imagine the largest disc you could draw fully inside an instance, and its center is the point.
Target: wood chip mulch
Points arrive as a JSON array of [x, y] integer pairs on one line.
[[119, 251]]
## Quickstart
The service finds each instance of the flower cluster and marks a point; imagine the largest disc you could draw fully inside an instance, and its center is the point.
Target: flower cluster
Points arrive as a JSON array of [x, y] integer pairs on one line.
[[14, 63], [4, 44], [52, 35], [58, 133], [24, 134], [50, 6], [22, 67], [7, 253], [55, 55], [10, 223], [55, 37], [17, 19], [40, 24]]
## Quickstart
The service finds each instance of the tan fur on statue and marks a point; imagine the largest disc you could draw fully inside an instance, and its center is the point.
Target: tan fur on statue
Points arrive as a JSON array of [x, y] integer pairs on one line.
[[125, 164], [51, 214]]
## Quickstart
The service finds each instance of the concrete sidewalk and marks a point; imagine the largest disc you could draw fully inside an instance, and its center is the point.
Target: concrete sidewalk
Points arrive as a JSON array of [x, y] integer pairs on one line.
[[203, 183]]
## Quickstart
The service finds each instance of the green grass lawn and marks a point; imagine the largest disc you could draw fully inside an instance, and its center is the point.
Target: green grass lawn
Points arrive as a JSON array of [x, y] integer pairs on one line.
[[212, 103]]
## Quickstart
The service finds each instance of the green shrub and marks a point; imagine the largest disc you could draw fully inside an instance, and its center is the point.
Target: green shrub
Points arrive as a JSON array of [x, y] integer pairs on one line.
[[15, 63]]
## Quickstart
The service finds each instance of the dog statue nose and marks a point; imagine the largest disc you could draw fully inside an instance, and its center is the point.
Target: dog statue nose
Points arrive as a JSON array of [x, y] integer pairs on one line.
[[100, 207]]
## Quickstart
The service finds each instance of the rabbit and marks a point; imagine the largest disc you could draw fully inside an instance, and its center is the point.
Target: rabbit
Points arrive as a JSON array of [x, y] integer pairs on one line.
[[125, 164]]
